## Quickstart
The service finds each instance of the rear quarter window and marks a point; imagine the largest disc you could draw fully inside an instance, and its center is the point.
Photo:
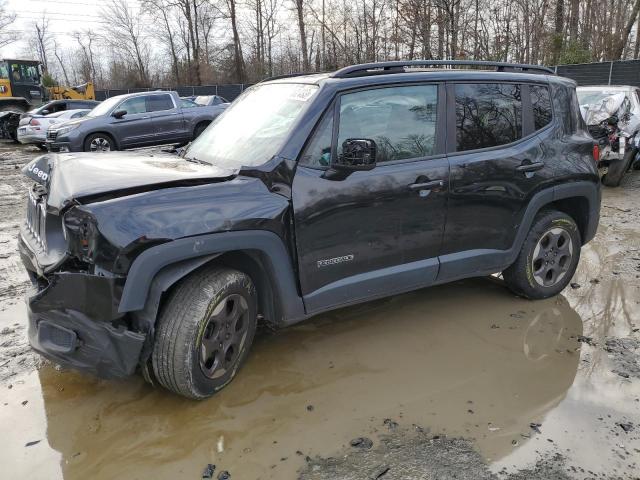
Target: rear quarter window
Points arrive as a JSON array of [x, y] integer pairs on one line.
[[541, 105], [487, 115]]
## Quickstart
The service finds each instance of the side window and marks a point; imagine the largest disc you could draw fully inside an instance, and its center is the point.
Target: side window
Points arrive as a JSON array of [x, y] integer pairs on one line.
[[401, 120], [134, 105], [541, 104], [487, 115], [158, 103], [318, 151], [58, 107]]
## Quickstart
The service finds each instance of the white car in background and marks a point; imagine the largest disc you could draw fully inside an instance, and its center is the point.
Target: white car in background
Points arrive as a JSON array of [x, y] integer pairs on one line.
[[33, 129]]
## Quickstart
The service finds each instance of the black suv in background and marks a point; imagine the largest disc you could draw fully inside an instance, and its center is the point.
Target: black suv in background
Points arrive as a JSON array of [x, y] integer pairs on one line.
[[310, 193]]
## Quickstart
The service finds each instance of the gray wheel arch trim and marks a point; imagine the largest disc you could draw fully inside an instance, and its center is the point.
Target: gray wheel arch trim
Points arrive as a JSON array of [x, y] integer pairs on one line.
[[150, 262]]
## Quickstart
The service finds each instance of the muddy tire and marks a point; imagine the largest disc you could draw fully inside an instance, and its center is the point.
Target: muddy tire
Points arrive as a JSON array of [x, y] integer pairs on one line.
[[548, 258], [618, 168], [99, 142], [204, 332]]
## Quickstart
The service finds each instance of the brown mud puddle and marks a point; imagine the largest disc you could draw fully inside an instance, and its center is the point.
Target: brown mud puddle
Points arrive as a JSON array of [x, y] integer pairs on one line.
[[465, 359]]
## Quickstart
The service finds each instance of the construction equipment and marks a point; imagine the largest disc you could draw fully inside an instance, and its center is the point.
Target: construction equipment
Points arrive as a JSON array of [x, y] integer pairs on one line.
[[21, 90], [80, 92]]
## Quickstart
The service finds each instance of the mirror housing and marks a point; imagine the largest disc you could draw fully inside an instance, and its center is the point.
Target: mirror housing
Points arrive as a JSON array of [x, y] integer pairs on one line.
[[119, 113], [45, 112], [357, 154]]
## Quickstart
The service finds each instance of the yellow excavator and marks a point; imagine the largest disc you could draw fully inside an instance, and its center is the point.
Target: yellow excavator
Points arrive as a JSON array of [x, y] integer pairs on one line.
[[21, 90]]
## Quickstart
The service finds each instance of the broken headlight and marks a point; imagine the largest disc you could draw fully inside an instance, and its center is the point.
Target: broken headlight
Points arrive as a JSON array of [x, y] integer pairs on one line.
[[80, 231]]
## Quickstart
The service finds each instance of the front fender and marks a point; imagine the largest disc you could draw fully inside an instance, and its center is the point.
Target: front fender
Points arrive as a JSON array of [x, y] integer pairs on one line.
[[149, 263]]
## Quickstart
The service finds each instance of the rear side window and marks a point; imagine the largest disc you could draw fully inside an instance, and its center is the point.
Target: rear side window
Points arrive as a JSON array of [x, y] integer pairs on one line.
[[541, 104], [157, 103], [487, 115], [401, 120]]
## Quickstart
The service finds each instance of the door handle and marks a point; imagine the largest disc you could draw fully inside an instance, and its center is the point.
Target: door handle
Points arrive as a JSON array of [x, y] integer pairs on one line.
[[530, 167], [427, 185]]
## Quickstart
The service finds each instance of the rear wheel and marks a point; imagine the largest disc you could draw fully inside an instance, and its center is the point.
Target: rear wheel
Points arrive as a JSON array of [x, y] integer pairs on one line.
[[204, 332], [548, 258], [99, 142]]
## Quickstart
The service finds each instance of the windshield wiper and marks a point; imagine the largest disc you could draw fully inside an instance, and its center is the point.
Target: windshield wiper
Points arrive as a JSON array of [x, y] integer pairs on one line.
[[195, 160]]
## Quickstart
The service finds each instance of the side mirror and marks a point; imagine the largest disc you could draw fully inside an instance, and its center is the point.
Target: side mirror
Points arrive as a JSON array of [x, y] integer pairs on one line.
[[357, 154], [119, 113], [45, 112]]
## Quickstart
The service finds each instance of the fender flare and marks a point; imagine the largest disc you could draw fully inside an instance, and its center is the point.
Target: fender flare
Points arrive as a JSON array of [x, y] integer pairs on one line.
[[148, 264]]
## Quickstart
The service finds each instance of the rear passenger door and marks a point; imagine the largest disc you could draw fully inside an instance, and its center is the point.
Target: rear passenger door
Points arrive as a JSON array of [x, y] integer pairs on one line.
[[167, 119], [377, 232], [497, 164]]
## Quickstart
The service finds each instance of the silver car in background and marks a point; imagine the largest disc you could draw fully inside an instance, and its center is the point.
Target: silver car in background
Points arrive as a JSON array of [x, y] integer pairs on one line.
[[612, 114], [32, 129]]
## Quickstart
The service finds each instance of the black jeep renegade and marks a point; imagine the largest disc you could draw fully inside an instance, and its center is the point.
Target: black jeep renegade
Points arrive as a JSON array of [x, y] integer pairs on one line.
[[308, 194]]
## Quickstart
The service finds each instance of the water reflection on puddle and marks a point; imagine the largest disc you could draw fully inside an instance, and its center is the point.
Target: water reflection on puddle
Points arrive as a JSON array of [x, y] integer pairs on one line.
[[464, 359]]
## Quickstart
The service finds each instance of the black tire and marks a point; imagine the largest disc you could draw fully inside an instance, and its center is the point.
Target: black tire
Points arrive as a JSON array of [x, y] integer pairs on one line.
[[211, 309], [618, 168], [545, 271], [99, 142], [201, 127], [42, 146]]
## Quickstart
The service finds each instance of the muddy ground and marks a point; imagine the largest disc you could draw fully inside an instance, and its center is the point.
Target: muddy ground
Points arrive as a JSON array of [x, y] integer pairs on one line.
[[462, 380]]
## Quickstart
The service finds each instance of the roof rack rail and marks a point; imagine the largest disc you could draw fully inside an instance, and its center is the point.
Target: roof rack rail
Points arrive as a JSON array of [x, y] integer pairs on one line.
[[399, 67]]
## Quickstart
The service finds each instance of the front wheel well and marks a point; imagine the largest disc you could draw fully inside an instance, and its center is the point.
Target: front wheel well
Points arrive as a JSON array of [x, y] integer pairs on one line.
[[577, 208]]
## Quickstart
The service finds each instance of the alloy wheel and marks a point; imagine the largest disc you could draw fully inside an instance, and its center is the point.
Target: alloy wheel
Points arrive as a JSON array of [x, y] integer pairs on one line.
[[552, 257], [224, 335], [100, 144]]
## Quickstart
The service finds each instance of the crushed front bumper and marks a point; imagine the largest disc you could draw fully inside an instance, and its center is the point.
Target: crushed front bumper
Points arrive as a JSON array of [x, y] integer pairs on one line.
[[74, 321]]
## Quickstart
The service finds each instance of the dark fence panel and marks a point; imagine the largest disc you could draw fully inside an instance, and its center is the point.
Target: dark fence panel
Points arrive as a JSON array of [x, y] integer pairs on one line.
[[230, 92], [623, 72]]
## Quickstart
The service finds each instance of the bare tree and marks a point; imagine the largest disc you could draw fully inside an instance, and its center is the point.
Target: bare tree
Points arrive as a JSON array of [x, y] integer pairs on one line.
[[126, 37], [7, 18]]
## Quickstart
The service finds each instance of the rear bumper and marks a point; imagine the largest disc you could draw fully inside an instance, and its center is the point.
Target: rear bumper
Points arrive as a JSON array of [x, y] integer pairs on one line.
[[30, 138]]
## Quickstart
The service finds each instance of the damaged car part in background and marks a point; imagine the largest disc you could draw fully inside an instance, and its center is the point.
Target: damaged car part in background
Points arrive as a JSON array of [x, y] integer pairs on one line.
[[167, 262], [133, 120], [612, 114]]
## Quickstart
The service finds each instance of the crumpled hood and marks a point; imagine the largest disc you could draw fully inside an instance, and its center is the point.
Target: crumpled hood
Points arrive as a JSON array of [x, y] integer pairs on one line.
[[70, 177]]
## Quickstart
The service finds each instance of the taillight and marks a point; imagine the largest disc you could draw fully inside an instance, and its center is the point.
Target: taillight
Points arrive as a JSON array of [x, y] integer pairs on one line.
[[596, 153], [34, 122]]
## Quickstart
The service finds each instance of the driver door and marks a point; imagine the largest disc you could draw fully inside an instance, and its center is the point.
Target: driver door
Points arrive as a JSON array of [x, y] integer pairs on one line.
[[366, 234], [136, 127]]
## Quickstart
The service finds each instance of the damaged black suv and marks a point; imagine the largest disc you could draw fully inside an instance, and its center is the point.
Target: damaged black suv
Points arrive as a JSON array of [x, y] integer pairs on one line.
[[308, 194]]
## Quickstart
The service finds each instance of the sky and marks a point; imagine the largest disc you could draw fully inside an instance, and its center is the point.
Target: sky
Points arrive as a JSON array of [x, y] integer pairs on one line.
[[65, 16]]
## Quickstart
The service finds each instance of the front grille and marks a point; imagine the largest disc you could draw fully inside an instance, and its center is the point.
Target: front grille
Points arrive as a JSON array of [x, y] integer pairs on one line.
[[52, 135], [37, 215]]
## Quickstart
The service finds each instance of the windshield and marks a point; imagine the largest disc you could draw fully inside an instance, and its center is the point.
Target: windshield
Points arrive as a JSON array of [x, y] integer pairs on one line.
[[589, 97], [104, 107], [253, 128]]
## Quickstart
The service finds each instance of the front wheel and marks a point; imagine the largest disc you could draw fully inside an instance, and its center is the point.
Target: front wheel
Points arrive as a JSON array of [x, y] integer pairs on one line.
[[99, 142], [548, 258], [204, 332]]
